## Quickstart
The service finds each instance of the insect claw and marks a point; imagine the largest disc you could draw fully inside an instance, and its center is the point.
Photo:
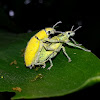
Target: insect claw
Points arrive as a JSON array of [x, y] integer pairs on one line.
[[69, 60], [49, 68], [30, 67], [43, 67]]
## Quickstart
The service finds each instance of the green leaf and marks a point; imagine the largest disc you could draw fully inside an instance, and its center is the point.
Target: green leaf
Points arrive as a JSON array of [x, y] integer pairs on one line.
[[62, 79]]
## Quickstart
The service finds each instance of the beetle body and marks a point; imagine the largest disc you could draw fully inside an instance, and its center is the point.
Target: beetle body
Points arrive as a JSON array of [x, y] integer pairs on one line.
[[41, 49], [56, 43], [34, 45]]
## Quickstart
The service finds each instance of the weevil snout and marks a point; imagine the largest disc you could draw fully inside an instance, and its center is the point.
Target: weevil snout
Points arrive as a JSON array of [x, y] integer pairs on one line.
[[71, 33], [53, 31]]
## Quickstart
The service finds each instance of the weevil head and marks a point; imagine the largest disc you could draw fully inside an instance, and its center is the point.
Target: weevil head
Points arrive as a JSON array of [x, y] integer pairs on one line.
[[69, 33], [50, 31]]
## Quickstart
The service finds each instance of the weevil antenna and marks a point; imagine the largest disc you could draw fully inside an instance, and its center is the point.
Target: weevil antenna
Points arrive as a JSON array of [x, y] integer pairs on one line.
[[72, 27], [77, 28], [57, 24]]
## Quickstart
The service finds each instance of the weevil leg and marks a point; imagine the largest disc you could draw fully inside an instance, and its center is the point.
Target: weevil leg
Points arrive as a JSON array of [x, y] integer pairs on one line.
[[51, 64], [64, 51], [71, 44], [29, 67], [48, 48], [44, 65], [75, 42]]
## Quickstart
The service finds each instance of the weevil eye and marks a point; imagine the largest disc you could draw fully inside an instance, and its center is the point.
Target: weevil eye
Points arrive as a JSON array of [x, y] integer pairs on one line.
[[68, 33], [49, 32]]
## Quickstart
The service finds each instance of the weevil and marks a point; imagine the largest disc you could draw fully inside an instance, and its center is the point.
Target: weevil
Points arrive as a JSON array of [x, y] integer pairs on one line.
[[56, 44], [35, 45]]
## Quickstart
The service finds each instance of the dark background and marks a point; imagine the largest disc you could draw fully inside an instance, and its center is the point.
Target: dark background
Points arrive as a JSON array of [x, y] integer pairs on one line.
[[21, 16]]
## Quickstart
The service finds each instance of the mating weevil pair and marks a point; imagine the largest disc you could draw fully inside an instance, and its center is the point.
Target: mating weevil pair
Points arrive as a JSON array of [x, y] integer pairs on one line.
[[41, 49]]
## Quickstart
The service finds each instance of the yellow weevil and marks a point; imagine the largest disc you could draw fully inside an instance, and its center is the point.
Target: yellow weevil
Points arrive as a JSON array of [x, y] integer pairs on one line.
[[35, 45]]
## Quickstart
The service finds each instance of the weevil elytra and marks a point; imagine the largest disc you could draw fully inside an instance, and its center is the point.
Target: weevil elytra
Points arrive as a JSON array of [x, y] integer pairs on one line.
[[54, 45], [35, 45]]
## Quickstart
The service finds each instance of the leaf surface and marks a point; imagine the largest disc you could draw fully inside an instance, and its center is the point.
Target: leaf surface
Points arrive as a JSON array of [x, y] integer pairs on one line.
[[62, 79]]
